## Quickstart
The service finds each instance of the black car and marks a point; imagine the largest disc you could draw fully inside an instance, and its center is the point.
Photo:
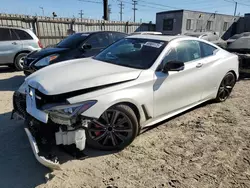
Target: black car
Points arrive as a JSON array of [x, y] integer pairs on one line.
[[241, 47], [78, 45]]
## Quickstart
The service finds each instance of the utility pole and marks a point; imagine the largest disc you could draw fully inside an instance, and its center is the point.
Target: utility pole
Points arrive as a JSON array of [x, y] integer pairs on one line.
[[42, 10], [235, 8], [109, 11], [105, 9], [81, 15], [134, 9], [121, 8]]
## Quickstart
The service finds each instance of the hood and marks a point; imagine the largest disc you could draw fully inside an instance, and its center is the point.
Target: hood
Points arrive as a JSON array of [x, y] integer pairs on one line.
[[47, 51], [242, 43], [79, 74]]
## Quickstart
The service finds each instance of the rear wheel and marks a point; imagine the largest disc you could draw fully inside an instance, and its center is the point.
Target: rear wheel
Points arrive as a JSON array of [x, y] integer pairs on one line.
[[115, 129], [226, 87], [19, 61]]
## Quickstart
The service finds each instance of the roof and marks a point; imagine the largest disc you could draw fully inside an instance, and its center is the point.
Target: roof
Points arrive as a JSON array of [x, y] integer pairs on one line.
[[157, 37], [10, 27], [196, 11], [92, 32], [170, 11]]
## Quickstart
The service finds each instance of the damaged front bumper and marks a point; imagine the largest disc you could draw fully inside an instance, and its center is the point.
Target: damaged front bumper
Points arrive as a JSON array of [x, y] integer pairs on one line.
[[43, 138], [41, 159]]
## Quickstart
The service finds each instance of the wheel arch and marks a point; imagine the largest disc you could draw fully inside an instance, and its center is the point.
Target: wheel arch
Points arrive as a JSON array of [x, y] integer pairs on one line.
[[133, 107], [23, 51], [234, 73]]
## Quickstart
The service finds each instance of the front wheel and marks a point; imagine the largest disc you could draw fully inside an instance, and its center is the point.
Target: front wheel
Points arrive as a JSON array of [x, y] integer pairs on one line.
[[115, 129], [19, 61], [226, 87]]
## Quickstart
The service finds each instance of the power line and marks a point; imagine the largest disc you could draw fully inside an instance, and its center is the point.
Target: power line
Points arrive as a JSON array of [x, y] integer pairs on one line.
[[134, 9], [91, 1], [157, 4]]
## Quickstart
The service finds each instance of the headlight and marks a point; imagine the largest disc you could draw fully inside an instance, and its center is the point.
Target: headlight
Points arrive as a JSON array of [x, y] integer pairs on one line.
[[67, 114], [46, 60]]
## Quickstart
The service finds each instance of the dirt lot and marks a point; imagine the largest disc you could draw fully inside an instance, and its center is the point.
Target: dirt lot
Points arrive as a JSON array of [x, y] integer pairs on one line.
[[208, 146]]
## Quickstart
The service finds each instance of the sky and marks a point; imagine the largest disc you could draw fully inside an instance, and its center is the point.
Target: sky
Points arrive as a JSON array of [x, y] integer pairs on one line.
[[93, 9]]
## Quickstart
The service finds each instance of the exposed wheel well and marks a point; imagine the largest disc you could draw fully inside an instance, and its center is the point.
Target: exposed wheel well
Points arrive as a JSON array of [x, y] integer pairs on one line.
[[234, 74], [25, 51], [134, 108]]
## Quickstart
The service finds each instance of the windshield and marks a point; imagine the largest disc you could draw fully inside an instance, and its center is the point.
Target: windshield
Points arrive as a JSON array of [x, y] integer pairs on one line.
[[73, 41], [132, 52]]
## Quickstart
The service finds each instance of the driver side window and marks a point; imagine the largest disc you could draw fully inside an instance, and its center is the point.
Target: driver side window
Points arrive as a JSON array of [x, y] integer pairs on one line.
[[98, 41], [185, 51]]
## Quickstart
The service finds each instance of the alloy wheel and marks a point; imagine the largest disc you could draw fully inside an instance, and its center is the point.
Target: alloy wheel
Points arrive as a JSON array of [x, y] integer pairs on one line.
[[112, 129], [226, 87], [21, 61]]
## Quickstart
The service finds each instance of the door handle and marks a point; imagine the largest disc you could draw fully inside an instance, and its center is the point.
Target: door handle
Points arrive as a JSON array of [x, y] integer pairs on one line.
[[199, 65], [14, 43]]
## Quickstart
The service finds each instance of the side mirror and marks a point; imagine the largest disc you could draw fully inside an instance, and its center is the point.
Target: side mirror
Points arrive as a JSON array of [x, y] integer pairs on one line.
[[86, 47], [173, 66]]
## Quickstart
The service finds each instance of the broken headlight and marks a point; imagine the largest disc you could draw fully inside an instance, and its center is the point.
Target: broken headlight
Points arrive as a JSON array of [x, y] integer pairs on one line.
[[68, 114]]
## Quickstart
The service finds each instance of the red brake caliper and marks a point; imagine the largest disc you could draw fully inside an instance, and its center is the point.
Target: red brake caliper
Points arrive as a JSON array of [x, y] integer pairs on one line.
[[97, 133]]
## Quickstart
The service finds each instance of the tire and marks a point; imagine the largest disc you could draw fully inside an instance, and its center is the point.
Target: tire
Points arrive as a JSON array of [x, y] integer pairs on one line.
[[18, 62], [112, 135], [226, 87]]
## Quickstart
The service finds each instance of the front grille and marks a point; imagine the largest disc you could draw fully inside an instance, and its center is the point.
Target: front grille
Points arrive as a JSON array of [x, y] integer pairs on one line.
[[19, 103], [42, 99]]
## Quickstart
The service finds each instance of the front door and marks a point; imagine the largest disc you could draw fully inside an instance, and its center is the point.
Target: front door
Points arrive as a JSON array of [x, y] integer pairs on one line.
[[176, 90]]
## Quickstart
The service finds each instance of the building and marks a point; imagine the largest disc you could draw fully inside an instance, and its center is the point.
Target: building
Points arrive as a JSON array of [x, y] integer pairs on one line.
[[185, 21]]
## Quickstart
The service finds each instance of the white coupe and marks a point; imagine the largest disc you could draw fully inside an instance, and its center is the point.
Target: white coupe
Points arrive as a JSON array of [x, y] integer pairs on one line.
[[136, 82]]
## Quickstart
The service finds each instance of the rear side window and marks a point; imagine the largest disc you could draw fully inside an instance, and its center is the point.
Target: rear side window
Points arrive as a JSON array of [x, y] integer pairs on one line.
[[22, 35], [5, 34], [207, 50]]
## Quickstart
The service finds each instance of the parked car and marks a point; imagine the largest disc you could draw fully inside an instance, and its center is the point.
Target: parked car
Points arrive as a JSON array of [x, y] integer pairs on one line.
[[136, 82], [146, 33], [209, 36], [79, 45], [15, 44], [241, 47], [237, 36]]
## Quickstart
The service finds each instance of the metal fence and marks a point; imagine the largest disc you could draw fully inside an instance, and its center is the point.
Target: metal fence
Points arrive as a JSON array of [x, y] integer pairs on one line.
[[51, 30]]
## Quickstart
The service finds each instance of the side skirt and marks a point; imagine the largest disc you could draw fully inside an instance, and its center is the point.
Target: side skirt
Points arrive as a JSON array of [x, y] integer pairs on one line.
[[167, 116]]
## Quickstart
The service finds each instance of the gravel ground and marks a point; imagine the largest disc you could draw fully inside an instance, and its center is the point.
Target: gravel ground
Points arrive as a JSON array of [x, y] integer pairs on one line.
[[208, 146]]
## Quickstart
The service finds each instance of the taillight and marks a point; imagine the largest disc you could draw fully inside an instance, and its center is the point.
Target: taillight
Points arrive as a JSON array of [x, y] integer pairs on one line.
[[40, 44]]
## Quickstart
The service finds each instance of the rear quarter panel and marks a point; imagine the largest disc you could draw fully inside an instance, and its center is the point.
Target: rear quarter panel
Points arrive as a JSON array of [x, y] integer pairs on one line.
[[228, 62]]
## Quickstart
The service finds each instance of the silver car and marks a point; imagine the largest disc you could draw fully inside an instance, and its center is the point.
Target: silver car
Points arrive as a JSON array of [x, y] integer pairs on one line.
[[15, 44]]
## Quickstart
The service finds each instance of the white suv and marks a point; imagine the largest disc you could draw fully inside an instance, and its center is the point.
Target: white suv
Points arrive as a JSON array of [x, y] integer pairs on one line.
[[15, 44]]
